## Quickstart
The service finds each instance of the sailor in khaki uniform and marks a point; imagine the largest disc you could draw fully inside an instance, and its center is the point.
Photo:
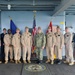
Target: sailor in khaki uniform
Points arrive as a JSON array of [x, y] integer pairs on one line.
[[26, 41], [59, 44], [50, 41], [16, 41], [8, 46], [68, 47]]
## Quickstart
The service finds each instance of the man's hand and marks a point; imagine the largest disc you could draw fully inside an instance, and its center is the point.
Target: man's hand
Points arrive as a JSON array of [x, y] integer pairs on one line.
[[53, 46], [7, 44], [60, 47], [24, 46], [15, 46], [42, 47]]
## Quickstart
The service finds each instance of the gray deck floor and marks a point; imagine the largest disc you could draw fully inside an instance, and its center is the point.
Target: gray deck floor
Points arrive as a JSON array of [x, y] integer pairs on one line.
[[18, 69]]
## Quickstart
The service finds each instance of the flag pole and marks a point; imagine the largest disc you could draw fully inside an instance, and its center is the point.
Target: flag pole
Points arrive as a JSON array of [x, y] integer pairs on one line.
[[33, 32], [10, 18], [34, 13]]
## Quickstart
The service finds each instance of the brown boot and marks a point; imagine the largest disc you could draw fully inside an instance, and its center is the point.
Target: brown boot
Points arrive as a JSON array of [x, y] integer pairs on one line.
[[0, 62], [66, 62], [6, 61], [29, 61], [11, 61], [19, 61], [24, 61], [47, 61], [52, 62], [72, 63], [16, 62]]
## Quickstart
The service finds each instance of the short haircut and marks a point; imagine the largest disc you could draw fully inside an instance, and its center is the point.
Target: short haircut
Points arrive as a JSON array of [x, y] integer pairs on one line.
[[4, 29], [39, 28], [26, 28], [66, 27], [17, 29], [58, 27]]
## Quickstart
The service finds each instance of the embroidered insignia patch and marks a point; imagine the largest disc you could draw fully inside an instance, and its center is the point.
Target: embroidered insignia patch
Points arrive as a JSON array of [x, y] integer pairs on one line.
[[35, 67]]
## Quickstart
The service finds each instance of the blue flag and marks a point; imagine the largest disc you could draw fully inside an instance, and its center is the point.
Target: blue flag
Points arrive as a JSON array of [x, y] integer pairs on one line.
[[13, 27], [34, 23]]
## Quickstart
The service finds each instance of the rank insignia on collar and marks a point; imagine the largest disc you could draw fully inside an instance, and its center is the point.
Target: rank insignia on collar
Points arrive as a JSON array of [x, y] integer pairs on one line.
[[50, 35]]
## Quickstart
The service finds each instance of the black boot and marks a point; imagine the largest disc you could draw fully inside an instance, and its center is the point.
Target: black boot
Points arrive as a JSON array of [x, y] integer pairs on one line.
[[56, 61], [60, 61], [41, 62], [38, 61]]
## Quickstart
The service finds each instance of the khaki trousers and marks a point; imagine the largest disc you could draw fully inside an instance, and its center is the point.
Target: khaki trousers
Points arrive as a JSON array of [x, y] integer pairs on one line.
[[7, 51], [58, 52], [17, 53], [50, 53], [26, 50], [69, 53]]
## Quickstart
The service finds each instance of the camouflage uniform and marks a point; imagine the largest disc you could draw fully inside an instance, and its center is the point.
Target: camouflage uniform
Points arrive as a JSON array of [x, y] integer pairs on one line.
[[39, 42]]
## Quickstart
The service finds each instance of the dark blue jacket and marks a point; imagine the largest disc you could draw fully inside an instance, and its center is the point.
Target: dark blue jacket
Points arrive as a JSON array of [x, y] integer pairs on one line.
[[73, 40], [2, 38]]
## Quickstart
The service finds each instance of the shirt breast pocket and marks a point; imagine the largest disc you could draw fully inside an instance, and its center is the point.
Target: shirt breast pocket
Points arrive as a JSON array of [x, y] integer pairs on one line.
[[29, 36], [41, 37]]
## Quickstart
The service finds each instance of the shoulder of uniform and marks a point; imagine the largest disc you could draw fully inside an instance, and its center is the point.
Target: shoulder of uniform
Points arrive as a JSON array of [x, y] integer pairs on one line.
[[70, 33], [42, 33], [6, 34], [61, 33], [14, 35], [36, 35], [52, 33], [11, 34], [29, 33], [23, 33]]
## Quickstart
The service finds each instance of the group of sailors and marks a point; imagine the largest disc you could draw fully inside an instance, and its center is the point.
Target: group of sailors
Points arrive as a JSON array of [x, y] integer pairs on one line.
[[20, 45]]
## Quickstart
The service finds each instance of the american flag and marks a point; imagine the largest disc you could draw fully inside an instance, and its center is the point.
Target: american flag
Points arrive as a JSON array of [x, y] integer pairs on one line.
[[34, 27], [34, 31]]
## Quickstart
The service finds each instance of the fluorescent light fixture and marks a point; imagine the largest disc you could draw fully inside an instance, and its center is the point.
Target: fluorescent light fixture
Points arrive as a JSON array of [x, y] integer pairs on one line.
[[9, 6]]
